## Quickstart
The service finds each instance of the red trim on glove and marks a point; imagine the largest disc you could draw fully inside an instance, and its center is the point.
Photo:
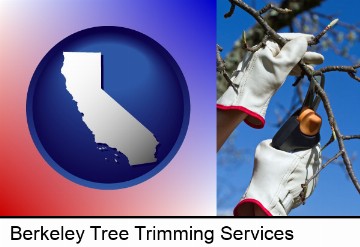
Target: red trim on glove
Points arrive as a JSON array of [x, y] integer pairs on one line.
[[247, 111], [254, 201]]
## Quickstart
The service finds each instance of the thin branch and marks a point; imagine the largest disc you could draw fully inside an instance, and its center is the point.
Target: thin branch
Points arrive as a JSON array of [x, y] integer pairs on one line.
[[298, 80], [331, 140], [350, 137], [317, 38], [255, 48], [337, 155], [336, 68], [280, 40], [351, 70], [221, 67], [231, 11], [220, 63], [307, 181], [345, 138], [272, 6], [355, 77], [338, 134]]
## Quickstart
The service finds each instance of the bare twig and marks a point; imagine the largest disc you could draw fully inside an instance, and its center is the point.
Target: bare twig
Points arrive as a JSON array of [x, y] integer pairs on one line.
[[277, 38], [345, 138], [298, 80], [262, 44], [317, 38], [350, 137], [333, 124], [272, 6], [355, 77], [231, 11], [220, 64], [337, 155], [337, 68], [331, 140], [351, 70], [305, 185], [220, 67]]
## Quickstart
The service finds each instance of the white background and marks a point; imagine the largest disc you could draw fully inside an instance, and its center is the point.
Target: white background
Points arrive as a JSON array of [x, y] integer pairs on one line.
[[307, 232]]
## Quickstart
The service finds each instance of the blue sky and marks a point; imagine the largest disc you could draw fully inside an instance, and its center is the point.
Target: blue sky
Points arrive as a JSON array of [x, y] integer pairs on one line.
[[335, 194]]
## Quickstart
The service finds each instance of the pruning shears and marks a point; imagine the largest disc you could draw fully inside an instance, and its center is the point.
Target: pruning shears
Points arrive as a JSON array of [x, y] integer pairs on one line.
[[301, 130], [312, 100]]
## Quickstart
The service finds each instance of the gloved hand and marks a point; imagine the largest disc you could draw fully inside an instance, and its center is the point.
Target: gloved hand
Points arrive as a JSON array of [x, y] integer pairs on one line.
[[277, 177], [259, 75]]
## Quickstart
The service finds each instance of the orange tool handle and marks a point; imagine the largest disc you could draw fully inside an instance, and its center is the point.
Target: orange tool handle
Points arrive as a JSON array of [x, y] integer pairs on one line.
[[309, 122]]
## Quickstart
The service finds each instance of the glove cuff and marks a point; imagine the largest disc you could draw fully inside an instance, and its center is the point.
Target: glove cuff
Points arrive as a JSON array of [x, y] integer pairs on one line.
[[254, 120], [244, 205]]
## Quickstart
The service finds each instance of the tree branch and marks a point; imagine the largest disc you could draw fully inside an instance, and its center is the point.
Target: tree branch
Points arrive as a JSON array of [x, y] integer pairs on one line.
[[339, 136], [260, 20], [351, 70], [337, 155], [336, 68], [231, 11], [272, 6], [351, 137], [323, 32], [220, 67]]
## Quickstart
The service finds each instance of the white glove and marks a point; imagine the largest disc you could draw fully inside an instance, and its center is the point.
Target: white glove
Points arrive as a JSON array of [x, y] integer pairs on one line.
[[259, 75], [275, 186]]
